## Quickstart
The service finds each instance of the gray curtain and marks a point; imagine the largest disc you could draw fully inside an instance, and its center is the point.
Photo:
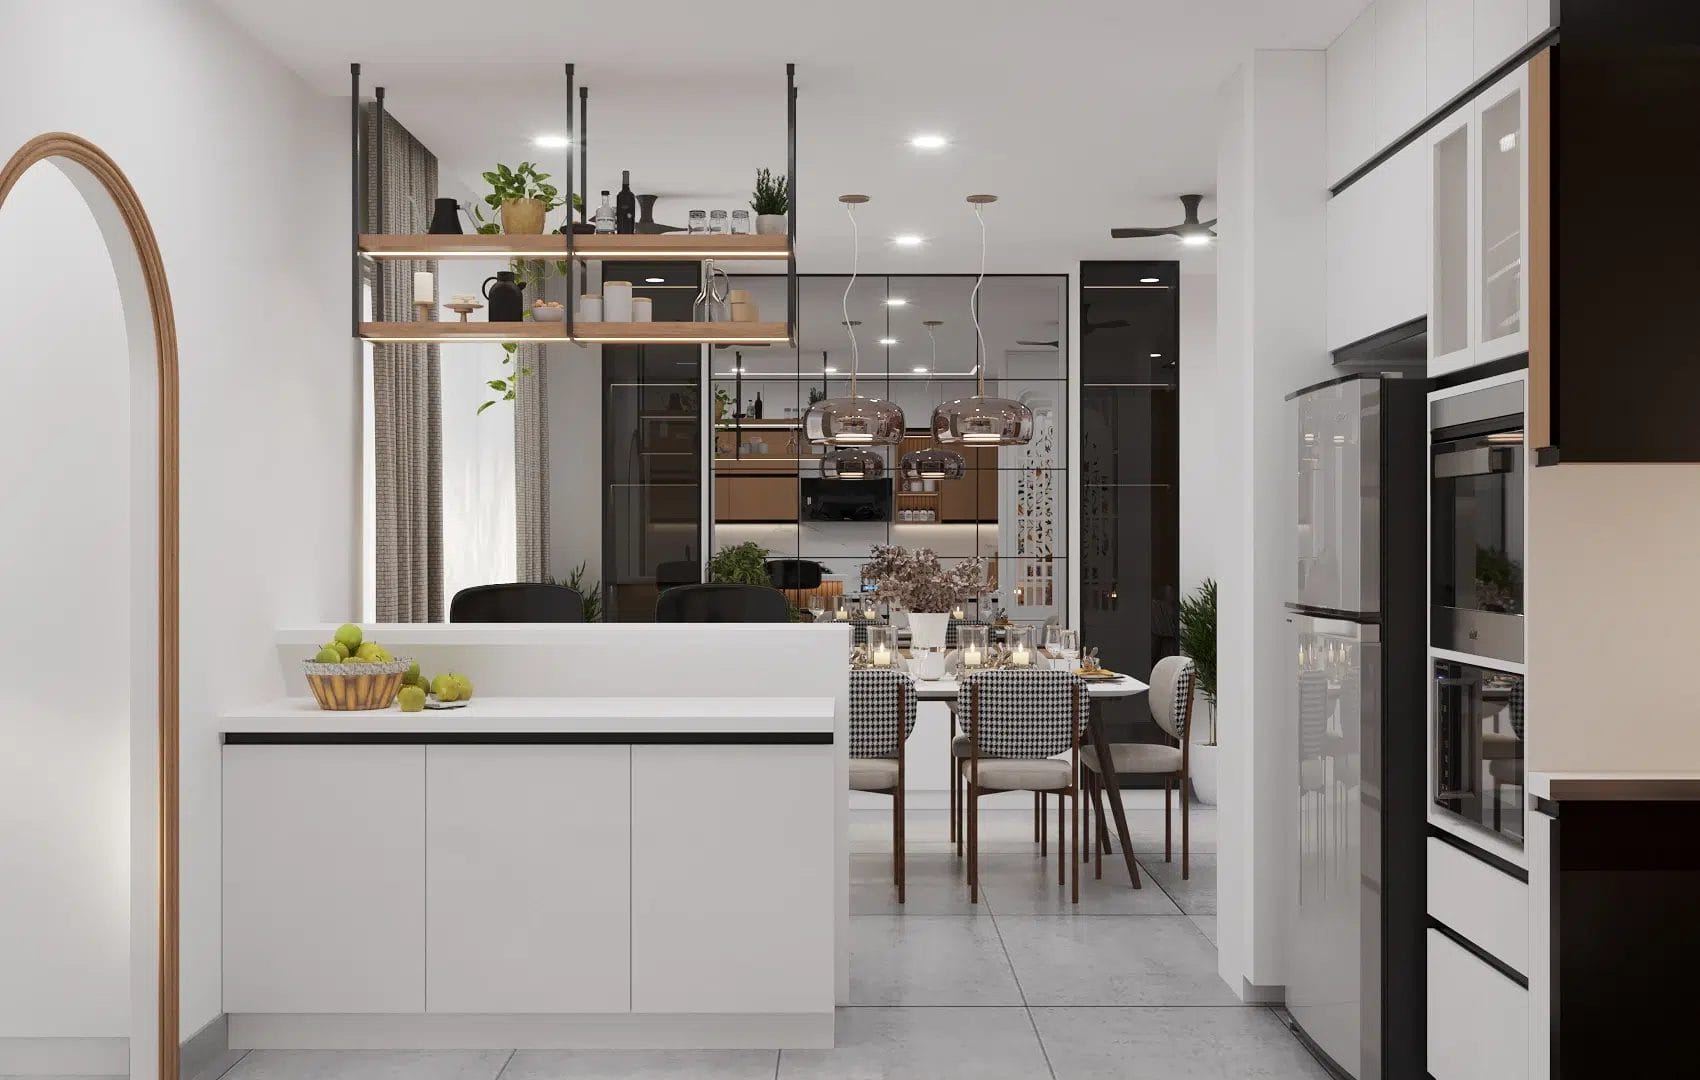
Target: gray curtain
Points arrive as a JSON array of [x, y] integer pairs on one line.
[[531, 466], [407, 391]]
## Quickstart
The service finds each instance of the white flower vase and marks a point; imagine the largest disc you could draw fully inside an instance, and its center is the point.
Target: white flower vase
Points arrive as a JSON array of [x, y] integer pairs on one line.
[[927, 629], [1201, 760]]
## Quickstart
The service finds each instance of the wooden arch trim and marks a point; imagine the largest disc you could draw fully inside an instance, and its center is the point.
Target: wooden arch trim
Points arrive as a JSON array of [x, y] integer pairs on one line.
[[58, 147]]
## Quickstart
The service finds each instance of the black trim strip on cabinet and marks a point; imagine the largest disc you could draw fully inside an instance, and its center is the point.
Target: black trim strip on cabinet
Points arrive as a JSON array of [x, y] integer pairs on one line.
[[1380, 339], [1367, 618], [1543, 806], [1546, 455], [1457, 101], [1335, 381], [1502, 366], [1498, 862], [528, 738], [1478, 952]]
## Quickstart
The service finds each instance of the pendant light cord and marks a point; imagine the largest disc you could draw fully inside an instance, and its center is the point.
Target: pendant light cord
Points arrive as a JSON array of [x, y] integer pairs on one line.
[[855, 263], [974, 307]]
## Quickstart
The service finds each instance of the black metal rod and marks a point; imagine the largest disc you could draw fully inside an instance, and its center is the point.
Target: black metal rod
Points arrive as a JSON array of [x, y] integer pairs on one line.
[[584, 152], [357, 200], [378, 311], [572, 137], [793, 295]]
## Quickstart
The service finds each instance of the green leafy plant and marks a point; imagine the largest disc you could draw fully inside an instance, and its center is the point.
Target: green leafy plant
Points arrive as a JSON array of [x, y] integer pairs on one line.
[[740, 564], [508, 384], [1499, 580], [591, 591], [1198, 640], [772, 194], [816, 394], [521, 182]]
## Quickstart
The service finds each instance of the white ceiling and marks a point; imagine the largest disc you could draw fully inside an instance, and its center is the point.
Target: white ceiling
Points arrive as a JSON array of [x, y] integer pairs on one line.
[[1080, 115]]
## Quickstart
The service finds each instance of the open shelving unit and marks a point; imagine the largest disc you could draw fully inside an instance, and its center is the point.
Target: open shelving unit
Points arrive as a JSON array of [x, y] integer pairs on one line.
[[574, 248]]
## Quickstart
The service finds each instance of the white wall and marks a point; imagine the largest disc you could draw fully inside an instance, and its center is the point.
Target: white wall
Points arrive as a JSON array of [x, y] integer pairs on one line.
[[1200, 431], [1271, 321], [243, 175], [65, 584], [478, 452]]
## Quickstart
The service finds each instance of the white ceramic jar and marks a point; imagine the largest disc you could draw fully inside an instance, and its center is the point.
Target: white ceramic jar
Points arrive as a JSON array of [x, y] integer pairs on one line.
[[590, 308], [617, 301], [643, 309]]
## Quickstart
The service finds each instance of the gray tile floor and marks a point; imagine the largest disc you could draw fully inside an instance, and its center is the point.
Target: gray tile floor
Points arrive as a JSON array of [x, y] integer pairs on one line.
[[1022, 985]]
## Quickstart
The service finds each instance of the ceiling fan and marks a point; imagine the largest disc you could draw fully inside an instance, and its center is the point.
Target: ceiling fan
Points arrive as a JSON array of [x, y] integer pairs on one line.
[[1191, 231], [1086, 327]]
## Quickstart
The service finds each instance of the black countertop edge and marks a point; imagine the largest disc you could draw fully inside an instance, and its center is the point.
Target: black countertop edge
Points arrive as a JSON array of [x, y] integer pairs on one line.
[[528, 738]]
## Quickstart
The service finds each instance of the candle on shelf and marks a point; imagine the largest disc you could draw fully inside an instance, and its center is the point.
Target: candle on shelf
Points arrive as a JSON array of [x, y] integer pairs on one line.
[[882, 656], [972, 657], [424, 287], [1020, 656]]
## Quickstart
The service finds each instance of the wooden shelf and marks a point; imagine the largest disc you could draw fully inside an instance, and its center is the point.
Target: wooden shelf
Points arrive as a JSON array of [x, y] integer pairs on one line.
[[650, 333], [646, 247]]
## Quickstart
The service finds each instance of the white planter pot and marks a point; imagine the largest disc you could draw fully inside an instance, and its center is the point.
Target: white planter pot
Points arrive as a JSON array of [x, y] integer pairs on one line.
[[1201, 761], [771, 225], [927, 629]]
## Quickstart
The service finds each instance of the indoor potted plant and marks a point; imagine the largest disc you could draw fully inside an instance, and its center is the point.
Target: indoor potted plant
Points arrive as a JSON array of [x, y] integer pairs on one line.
[[522, 197], [740, 564], [914, 581], [1198, 640], [771, 202]]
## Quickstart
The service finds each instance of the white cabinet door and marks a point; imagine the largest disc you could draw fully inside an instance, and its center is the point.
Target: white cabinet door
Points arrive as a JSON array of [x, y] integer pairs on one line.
[[528, 863], [1502, 215], [1402, 235], [1349, 242], [1451, 221], [1540, 17], [1401, 71], [324, 879], [1478, 1020], [1351, 97], [1377, 268], [733, 911], [1500, 29], [1449, 49]]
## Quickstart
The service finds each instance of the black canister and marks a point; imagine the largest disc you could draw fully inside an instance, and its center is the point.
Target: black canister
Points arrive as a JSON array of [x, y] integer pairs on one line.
[[445, 220], [506, 297]]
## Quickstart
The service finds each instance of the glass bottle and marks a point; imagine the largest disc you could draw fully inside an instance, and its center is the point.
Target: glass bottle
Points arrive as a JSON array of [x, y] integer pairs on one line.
[[605, 215], [625, 206]]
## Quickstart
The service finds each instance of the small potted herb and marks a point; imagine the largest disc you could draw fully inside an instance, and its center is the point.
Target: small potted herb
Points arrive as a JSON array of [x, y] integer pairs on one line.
[[771, 202], [520, 197]]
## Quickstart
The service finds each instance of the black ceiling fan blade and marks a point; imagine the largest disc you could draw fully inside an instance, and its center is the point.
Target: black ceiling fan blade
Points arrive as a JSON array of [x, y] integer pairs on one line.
[[1044, 344], [1211, 225], [1130, 234]]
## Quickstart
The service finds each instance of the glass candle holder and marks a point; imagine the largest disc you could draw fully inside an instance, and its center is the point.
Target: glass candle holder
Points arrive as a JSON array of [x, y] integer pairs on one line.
[[974, 643], [1019, 644], [845, 607], [882, 646]]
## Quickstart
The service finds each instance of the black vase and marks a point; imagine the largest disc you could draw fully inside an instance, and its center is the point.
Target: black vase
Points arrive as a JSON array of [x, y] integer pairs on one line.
[[445, 220], [506, 297], [646, 222]]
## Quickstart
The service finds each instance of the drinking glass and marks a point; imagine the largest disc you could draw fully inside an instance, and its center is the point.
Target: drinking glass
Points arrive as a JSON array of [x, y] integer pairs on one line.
[[1019, 642], [1068, 646], [846, 608], [740, 223], [974, 642], [697, 221], [717, 221], [882, 646], [817, 607], [1051, 641]]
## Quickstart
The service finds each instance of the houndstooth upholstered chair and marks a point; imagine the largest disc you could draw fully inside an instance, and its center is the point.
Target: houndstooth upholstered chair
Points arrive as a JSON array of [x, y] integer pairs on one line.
[[1170, 698], [882, 714], [1018, 723]]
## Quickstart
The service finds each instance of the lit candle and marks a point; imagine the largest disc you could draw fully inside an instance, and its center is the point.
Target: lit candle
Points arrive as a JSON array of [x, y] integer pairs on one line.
[[1020, 656], [957, 612], [843, 614], [424, 287], [971, 657], [882, 656]]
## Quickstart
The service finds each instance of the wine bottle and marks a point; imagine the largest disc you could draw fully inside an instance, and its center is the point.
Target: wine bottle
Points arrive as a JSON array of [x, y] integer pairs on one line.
[[604, 216], [758, 405], [625, 206]]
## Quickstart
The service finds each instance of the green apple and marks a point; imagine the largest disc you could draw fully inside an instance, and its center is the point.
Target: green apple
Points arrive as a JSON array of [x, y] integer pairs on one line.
[[385, 655], [342, 651], [411, 699], [464, 685], [352, 660], [413, 677], [349, 635], [327, 655], [370, 652]]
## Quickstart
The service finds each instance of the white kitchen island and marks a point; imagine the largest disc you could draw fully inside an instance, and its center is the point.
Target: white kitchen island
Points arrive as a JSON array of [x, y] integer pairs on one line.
[[538, 871]]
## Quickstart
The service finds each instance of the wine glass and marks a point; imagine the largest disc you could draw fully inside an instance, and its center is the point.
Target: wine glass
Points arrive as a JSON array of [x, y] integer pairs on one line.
[[1068, 645], [817, 607]]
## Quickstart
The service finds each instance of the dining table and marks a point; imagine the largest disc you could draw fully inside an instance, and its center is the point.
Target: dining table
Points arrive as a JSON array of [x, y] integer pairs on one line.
[[1097, 691]]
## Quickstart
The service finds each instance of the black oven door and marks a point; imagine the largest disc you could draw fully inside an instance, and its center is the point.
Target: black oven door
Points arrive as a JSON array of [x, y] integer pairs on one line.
[[1478, 746], [1477, 548]]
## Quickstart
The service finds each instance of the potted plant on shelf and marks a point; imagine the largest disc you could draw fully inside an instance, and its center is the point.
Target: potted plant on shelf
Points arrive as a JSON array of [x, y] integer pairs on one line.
[[722, 398], [771, 202], [1198, 640], [520, 198], [914, 581]]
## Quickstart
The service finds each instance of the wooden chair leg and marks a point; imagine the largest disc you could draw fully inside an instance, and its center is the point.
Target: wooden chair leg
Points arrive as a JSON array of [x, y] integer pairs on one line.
[[1186, 830], [1074, 805], [897, 837], [1038, 812], [1044, 828], [956, 786], [973, 811], [1168, 844], [953, 779], [1086, 824], [1062, 848]]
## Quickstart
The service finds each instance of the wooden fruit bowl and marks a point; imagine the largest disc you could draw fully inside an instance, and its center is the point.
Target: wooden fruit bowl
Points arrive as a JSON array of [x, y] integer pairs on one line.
[[354, 687]]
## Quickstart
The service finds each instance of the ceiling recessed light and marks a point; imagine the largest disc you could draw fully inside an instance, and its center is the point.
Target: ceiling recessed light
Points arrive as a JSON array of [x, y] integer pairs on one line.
[[1156, 356], [656, 280], [896, 301], [919, 370], [908, 240], [888, 341], [1148, 281], [928, 141], [1195, 239], [551, 142]]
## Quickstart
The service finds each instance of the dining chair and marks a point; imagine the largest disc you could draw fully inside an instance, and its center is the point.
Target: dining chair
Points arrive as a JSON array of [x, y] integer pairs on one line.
[[882, 714], [722, 603], [519, 601], [1018, 724], [1170, 699]]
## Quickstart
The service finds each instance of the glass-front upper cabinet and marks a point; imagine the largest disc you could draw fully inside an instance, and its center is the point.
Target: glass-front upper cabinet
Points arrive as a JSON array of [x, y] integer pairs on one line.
[[1479, 225]]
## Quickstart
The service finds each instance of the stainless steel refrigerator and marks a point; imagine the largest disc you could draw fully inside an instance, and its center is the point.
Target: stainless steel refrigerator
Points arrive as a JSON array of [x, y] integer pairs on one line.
[[1355, 623]]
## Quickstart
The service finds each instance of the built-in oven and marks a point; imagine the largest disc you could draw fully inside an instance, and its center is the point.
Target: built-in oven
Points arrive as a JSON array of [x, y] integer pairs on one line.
[[1477, 543], [1478, 746]]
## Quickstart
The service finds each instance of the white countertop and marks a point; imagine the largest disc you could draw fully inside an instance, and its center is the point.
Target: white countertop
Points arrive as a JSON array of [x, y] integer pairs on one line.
[[1676, 785], [643, 715]]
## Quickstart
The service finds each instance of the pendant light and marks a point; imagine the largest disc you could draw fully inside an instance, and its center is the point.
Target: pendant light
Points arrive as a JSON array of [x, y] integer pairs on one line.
[[852, 463], [933, 462], [853, 420], [982, 420]]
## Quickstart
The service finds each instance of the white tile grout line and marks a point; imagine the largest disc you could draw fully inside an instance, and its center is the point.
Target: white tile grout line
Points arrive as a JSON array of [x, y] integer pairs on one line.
[[1028, 1009], [509, 1060]]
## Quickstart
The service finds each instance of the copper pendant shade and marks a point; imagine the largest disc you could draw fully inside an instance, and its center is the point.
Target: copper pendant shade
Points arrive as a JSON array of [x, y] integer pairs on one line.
[[853, 421], [852, 463], [932, 462], [982, 420]]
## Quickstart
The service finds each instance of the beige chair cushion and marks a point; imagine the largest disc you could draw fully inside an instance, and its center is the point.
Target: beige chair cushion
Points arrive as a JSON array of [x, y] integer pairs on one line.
[[1022, 774], [873, 774], [1136, 757]]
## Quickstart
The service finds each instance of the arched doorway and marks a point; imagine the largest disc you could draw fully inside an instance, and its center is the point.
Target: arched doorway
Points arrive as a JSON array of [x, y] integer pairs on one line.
[[152, 338]]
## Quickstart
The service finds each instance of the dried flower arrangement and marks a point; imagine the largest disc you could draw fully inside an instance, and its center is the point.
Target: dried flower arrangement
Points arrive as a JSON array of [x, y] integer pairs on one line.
[[914, 579]]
